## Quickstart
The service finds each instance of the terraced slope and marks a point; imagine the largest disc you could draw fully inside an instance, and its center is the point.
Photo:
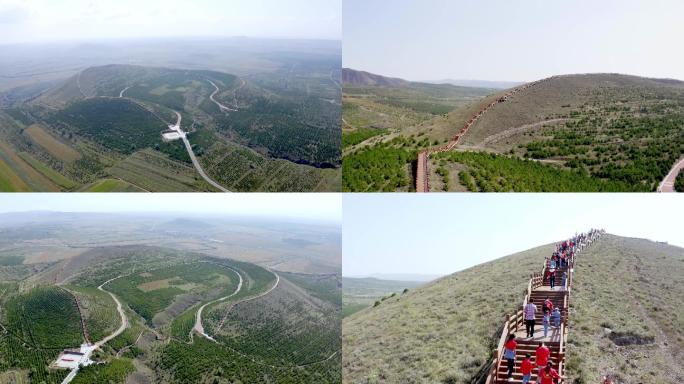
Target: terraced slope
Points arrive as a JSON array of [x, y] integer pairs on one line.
[[446, 330]]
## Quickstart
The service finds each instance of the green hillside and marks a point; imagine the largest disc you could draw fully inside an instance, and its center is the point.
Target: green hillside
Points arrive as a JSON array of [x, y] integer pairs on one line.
[[610, 127], [446, 330], [94, 127]]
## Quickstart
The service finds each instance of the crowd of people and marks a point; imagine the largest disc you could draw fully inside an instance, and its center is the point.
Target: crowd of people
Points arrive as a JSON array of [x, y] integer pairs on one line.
[[562, 258]]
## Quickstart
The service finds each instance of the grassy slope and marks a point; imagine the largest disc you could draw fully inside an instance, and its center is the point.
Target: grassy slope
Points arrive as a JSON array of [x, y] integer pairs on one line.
[[633, 288], [440, 331], [566, 93], [445, 330]]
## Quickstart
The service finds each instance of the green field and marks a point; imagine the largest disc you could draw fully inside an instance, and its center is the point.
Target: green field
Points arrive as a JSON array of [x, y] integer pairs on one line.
[[149, 293], [48, 172]]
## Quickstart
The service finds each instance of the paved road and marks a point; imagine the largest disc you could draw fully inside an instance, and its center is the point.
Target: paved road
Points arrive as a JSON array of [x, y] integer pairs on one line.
[[667, 185], [248, 299], [122, 92], [221, 106], [198, 316], [199, 167], [191, 153], [91, 348]]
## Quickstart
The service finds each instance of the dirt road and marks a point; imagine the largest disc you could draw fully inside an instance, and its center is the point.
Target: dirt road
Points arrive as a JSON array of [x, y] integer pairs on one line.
[[122, 314]]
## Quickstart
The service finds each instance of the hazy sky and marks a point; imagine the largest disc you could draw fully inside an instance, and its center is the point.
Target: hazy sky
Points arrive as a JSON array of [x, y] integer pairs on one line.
[[445, 233], [316, 206], [48, 20], [513, 40]]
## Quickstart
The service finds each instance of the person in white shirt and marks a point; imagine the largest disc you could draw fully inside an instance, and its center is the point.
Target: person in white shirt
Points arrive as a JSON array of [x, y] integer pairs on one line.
[[529, 313]]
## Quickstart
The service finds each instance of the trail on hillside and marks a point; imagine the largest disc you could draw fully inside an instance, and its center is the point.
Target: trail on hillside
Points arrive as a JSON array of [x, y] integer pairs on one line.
[[515, 130], [122, 314], [667, 185]]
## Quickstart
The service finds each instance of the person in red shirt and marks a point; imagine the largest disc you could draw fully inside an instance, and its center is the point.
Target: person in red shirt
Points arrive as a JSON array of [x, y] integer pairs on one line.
[[509, 354], [548, 305], [542, 355], [548, 375], [526, 369]]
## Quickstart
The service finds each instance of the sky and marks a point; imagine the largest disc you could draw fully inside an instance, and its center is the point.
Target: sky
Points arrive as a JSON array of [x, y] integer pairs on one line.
[[444, 233], [507, 40], [40, 21], [324, 207]]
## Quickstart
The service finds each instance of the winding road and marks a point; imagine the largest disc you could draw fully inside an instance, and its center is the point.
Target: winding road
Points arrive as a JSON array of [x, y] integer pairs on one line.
[[221, 106], [667, 185], [122, 92], [198, 318], [122, 314], [89, 349], [199, 328]]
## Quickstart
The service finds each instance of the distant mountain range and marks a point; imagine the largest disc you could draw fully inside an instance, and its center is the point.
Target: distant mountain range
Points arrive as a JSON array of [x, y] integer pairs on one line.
[[354, 77], [400, 277], [478, 83], [363, 78]]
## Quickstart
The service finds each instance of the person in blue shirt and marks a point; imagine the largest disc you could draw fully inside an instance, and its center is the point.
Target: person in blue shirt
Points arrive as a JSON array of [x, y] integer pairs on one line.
[[556, 317]]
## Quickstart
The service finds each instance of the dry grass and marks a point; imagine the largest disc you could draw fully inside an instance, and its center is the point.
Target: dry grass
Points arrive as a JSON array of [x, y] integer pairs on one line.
[[55, 147], [156, 284]]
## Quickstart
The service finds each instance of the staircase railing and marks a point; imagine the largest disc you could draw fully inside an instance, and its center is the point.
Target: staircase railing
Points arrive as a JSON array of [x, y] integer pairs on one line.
[[512, 324]]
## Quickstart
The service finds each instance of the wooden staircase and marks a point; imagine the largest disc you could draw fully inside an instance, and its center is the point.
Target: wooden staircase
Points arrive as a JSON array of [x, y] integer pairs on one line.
[[527, 346], [538, 290]]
